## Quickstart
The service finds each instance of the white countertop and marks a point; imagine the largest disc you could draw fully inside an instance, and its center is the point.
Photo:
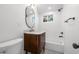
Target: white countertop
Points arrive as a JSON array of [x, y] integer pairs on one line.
[[34, 32]]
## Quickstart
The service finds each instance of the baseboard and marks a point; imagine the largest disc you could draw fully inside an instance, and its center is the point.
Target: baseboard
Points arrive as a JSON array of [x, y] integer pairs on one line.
[[54, 47]]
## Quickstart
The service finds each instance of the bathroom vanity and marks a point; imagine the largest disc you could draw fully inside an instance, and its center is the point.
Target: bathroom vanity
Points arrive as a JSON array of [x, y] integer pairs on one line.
[[34, 42]]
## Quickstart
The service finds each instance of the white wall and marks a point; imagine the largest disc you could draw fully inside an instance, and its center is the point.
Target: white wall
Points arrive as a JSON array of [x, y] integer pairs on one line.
[[71, 28], [12, 21], [52, 29]]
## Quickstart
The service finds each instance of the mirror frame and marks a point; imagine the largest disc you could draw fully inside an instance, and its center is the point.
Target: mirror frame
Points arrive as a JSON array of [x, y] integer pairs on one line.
[[31, 27]]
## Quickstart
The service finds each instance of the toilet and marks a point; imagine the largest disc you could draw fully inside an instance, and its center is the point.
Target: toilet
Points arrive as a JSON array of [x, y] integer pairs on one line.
[[14, 46]]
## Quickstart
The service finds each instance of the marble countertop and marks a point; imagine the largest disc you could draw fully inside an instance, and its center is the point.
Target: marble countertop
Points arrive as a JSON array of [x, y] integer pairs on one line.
[[34, 32]]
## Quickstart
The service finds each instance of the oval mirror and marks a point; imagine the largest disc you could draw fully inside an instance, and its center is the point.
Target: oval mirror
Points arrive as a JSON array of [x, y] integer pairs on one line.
[[30, 17]]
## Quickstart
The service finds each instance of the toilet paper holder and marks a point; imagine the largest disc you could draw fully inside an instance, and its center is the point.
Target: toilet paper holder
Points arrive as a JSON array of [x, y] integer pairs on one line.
[[75, 46]]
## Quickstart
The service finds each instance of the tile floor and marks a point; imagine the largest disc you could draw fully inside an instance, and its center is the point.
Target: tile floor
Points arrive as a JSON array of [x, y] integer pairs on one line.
[[50, 52]]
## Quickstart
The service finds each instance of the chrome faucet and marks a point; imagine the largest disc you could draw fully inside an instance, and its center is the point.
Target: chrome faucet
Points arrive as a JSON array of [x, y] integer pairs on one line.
[[73, 18]]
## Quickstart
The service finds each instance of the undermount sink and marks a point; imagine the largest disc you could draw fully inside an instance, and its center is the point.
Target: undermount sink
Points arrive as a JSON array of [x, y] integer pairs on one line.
[[34, 32]]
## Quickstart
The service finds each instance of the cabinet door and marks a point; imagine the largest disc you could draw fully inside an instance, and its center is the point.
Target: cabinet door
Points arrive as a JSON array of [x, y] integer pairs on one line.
[[33, 43], [27, 42], [42, 42]]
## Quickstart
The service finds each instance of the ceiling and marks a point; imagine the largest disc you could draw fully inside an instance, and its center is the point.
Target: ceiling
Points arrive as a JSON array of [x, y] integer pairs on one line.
[[43, 8]]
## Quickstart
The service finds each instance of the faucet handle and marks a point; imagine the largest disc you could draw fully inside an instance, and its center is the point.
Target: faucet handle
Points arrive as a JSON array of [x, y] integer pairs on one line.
[[61, 32], [61, 35]]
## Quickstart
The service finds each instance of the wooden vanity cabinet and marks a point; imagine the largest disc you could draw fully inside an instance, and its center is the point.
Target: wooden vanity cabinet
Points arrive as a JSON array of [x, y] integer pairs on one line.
[[34, 43]]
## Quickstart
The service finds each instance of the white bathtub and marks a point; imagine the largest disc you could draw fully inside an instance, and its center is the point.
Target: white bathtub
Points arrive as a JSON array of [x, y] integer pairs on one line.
[[11, 46], [55, 46]]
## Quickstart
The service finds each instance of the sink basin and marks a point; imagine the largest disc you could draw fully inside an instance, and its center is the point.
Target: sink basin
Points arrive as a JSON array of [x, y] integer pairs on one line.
[[34, 32]]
